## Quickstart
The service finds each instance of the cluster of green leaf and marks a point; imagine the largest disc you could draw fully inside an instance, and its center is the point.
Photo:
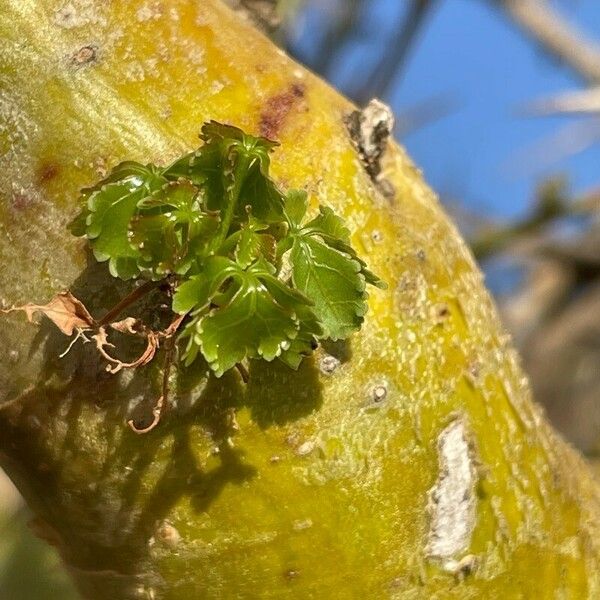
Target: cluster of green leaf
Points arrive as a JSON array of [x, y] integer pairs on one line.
[[253, 277]]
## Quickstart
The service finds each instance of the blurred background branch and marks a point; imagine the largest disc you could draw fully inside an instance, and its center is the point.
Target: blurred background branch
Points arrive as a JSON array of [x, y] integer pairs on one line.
[[378, 81], [551, 205], [537, 19], [584, 102]]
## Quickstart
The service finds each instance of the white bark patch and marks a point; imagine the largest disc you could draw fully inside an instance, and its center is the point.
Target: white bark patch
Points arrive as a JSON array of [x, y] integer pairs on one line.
[[452, 500]]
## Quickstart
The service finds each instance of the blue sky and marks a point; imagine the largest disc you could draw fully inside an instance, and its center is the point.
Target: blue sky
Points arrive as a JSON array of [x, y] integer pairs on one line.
[[483, 154]]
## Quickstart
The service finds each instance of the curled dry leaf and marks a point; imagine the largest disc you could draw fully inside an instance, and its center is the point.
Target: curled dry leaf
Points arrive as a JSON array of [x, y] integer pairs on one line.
[[147, 355], [64, 310], [156, 413], [131, 326]]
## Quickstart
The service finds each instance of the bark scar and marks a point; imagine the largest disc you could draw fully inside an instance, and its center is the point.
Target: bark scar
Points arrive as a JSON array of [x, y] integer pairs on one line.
[[370, 130]]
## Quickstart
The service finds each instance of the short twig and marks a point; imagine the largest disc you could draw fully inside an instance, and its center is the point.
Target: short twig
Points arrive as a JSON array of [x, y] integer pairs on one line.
[[174, 326], [134, 296], [163, 402], [156, 412], [556, 36], [167, 366], [243, 372]]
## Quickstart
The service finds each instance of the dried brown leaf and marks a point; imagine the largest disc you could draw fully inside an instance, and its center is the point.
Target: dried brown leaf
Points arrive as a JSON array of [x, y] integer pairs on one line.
[[64, 310], [147, 355], [131, 326], [156, 413]]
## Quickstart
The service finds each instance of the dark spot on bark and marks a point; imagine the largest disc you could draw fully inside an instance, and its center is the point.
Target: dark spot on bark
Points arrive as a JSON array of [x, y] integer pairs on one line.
[[85, 56], [48, 172], [439, 313], [278, 108]]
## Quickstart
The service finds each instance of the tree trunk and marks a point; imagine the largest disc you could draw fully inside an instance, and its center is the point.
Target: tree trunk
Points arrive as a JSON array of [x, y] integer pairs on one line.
[[407, 463]]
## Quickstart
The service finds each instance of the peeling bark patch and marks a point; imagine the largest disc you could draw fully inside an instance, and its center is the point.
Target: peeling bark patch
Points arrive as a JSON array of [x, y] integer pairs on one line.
[[305, 449], [370, 130], [67, 17], [329, 364], [278, 108], [452, 500], [79, 13]]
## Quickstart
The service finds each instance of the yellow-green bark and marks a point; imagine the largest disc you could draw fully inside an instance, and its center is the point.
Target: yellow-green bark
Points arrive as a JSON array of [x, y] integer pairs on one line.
[[322, 493]]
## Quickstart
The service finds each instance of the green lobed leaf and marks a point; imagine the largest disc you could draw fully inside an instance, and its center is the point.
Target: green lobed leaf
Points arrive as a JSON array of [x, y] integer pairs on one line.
[[215, 168], [212, 169], [260, 196], [108, 210], [260, 147], [325, 267], [296, 205], [328, 224], [197, 292], [181, 168], [111, 208], [171, 231], [148, 176], [253, 243], [249, 325], [239, 313], [333, 281], [305, 341], [333, 231]]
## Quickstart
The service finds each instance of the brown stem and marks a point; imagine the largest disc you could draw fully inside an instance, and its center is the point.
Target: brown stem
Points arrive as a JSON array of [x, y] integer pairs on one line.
[[174, 326], [134, 296], [243, 372], [168, 364], [162, 402], [156, 411]]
